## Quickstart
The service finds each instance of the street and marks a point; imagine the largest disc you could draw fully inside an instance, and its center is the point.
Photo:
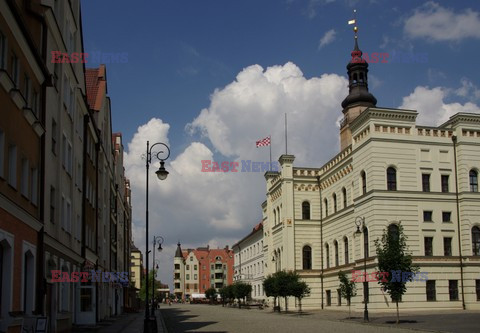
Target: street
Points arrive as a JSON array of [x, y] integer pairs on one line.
[[207, 318]]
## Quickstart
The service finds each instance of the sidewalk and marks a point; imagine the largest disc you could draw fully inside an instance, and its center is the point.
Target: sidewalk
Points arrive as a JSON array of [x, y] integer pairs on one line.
[[436, 321], [127, 322]]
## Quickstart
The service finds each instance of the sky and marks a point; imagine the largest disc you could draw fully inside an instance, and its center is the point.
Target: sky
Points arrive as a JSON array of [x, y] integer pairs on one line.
[[210, 78]]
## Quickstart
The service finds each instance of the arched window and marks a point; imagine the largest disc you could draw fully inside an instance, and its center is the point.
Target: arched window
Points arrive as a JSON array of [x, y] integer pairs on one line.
[[28, 265], [274, 217], [306, 210], [307, 257], [335, 245], [394, 231], [345, 249], [325, 202], [473, 181], [278, 215], [391, 179], [327, 252], [365, 242], [476, 241], [334, 203], [364, 182], [344, 193]]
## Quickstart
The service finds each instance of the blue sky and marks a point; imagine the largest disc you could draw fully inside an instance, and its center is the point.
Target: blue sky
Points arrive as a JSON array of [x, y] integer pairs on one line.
[[191, 68]]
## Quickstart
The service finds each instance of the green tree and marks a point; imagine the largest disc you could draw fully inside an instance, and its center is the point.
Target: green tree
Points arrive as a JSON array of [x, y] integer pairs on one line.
[[151, 280], [241, 290], [348, 289], [394, 259], [270, 288], [285, 282], [300, 290], [211, 294]]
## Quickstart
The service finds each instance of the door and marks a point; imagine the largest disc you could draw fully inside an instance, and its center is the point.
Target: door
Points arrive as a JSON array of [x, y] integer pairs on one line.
[[85, 304]]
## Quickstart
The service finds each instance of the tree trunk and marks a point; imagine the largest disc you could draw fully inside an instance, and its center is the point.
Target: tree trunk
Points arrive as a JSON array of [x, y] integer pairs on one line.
[[349, 310], [398, 314], [300, 304], [286, 304]]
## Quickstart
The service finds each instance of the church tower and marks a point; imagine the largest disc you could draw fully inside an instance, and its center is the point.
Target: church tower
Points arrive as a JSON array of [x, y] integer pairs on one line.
[[359, 98]]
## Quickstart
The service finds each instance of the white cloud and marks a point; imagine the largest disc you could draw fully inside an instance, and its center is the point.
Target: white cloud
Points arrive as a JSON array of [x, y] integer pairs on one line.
[[199, 208], [436, 23], [431, 106], [327, 38], [468, 90]]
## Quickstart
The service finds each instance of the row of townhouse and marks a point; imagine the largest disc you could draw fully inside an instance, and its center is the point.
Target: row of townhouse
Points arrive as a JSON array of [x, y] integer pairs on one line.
[[65, 203], [196, 270], [390, 170]]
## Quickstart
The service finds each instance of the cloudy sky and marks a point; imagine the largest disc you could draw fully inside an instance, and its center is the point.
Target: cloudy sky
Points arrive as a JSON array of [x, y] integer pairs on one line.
[[211, 77]]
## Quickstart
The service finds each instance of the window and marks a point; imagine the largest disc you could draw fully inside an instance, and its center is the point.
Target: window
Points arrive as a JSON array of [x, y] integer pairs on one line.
[[344, 193], [335, 246], [306, 210], [431, 292], [447, 246], [195, 277], [326, 207], [453, 289], [67, 155], [54, 137], [24, 178], [195, 267], [327, 252], [477, 289], [329, 297], [428, 246], [476, 241], [15, 70], [188, 277], [188, 267], [27, 89], [391, 179], [2, 152], [334, 197], [52, 204], [28, 282], [365, 242], [473, 181], [345, 249], [12, 166], [191, 258], [427, 216], [444, 183], [177, 266], [446, 216], [364, 182], [3, 51], [307, 257], [426, 182]]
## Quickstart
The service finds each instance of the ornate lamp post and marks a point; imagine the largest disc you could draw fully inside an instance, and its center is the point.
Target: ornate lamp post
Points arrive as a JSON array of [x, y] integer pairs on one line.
[[156, 239], [150, 323], [360, 222]]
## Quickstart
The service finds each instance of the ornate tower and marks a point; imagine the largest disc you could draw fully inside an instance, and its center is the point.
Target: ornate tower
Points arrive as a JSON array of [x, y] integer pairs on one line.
[[359, 98]]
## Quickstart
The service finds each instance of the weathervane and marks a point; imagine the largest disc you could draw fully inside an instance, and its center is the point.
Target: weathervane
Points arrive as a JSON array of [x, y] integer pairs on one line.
[[354, 21]]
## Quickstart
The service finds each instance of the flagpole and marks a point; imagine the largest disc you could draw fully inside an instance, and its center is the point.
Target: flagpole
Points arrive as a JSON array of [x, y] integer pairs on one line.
[[270, 152], [286, 153]]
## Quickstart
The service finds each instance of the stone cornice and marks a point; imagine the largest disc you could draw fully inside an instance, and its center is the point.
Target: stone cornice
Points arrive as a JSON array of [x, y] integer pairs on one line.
[[383, 113]]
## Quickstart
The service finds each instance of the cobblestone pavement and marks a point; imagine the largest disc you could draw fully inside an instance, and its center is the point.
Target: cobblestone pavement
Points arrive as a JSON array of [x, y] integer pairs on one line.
[[215, 318]]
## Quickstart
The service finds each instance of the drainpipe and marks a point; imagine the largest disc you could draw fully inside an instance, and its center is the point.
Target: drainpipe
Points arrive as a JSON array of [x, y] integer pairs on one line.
[[454, 140], [321, 234]]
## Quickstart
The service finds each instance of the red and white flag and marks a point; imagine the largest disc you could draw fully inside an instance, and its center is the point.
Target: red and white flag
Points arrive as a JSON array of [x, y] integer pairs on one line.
[[264, 142]]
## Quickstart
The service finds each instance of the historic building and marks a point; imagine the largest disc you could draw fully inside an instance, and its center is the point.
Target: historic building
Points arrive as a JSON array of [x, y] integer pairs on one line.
[[389, 171], [249, 261], [64, 199], [196, 270], [23, 80]]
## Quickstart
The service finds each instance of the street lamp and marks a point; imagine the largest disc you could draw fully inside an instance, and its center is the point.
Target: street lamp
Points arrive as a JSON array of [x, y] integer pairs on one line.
[[156, 239], [149, 324], [360, 222]]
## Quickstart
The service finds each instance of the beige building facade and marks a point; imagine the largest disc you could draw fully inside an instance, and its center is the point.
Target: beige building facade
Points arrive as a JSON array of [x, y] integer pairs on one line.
[[390, 170]]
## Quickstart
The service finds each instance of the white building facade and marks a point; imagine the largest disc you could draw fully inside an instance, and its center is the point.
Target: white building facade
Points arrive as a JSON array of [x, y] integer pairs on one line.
[[249, 261], [389, 171]]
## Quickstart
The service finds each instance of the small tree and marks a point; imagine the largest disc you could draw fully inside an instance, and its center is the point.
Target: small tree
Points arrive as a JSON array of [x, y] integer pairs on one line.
[[270, 288], [348, 289], [211, 294], [241, 290], [393, 257], [223, 295], [300, 290]]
